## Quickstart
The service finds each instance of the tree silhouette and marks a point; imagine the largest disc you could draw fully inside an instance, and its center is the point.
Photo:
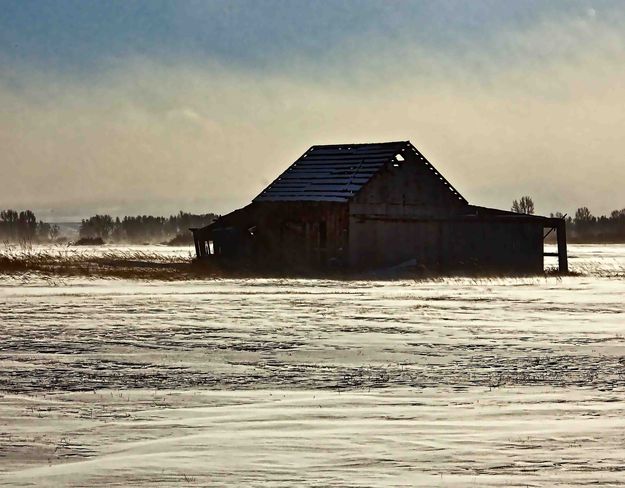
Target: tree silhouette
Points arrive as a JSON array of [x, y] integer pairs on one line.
[[524, 206], [96, 226], [583, 216], [27, 225]]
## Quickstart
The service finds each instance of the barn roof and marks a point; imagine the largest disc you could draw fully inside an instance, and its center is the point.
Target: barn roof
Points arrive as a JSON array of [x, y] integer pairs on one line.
[[336, 173]]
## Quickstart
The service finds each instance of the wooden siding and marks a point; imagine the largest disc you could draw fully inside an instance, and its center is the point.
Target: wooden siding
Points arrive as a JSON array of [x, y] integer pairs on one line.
[[293, 235], [407, 188], [302, 234], [447, 245]]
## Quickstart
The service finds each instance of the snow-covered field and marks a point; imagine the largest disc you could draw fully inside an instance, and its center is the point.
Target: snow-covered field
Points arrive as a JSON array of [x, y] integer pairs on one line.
[[451, 382]]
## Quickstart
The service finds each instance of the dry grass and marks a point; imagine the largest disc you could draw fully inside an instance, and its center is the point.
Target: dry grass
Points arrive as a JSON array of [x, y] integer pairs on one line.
[[54, 262], [66, 261]]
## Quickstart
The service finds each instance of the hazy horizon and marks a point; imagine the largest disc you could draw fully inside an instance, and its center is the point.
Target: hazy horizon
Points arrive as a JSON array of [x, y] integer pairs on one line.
[[152, 107]]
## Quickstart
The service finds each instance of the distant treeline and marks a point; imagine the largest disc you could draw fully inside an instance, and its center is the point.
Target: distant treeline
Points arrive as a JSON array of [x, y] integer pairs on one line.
[[23, 226], [143, 228], [585, 227]]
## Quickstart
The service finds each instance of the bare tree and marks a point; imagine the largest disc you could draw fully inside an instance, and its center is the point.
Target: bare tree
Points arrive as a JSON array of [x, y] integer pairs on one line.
[[96, 226], [525, 205], [583, 216], [9, 224], [27, 229]]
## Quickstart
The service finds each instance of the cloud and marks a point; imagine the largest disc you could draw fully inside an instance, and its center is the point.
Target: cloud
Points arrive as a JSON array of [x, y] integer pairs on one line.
[[536, 112]]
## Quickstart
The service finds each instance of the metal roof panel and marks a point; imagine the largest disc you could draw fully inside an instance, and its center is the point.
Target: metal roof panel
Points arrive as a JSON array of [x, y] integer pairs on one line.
[[331, 173]]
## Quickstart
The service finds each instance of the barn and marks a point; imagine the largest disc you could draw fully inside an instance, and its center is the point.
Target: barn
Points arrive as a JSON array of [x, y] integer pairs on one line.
[[373, 206]]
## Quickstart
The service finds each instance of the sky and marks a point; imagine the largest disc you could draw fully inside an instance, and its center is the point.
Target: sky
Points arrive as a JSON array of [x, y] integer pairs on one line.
[[148, 107]]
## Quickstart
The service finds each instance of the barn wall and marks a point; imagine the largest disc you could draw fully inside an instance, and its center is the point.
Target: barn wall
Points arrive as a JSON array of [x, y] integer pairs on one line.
[[407, 188], [439, 246], [302, 234], [293, 235]]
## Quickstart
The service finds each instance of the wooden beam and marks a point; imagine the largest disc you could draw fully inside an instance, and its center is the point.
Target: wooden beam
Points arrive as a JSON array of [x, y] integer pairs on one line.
[[563, 260], [550, 231]]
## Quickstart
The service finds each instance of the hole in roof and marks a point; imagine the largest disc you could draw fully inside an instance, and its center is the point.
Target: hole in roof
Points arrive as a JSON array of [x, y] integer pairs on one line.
[[399, 157], [395, 165]]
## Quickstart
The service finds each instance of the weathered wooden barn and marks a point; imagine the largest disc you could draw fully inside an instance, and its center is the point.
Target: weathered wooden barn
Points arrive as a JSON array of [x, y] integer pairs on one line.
[[372, 206]]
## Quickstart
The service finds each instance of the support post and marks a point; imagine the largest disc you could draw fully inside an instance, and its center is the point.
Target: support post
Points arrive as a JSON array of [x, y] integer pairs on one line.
[[197, 247], [563, 260]]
